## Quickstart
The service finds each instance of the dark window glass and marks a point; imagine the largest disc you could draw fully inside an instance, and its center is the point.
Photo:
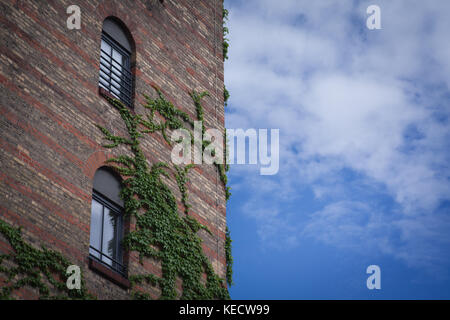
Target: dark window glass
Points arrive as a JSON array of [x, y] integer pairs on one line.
[[115, 71], [106, 231]]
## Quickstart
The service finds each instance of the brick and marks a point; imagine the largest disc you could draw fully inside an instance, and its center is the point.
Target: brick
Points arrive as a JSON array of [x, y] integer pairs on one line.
[[50, 105]]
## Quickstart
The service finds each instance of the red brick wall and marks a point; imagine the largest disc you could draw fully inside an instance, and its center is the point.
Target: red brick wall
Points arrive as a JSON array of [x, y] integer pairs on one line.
[[50, 146]]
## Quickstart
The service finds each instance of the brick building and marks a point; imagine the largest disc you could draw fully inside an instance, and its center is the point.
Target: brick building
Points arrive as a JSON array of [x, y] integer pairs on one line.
[[54, 81]]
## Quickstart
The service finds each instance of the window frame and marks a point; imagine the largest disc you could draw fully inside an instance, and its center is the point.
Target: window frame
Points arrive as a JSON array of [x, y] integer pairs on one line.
[[117, 264], [126, 77]]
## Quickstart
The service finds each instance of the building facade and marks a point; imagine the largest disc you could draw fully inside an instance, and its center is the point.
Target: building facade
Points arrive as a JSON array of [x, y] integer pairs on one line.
[[57, 82]]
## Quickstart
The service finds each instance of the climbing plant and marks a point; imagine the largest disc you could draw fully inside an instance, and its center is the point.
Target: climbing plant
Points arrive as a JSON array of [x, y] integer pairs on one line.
[[161, 232], [42, 269], [226, 95], [225, 168], [228, 257], [225, 47], [226, 42]]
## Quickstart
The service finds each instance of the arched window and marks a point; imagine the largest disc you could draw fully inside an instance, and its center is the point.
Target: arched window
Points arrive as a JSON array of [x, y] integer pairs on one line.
[[107, 221], [115, 61]]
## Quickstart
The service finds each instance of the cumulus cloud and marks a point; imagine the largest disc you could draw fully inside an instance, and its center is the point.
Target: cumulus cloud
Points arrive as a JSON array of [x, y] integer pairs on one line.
[[363, 115]]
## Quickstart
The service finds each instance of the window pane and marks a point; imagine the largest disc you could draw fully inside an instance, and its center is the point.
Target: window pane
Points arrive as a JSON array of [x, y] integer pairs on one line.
[[106, 47], [115, 77], [115, 92], [109, 236], [115, 88], [103, 79], [118, 59], [105, 66], [117, 63], [119, 235], [113, 63], [96, 228]]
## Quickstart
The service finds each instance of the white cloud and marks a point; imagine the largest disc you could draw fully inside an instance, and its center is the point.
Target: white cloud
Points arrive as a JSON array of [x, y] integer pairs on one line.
[[344, 97]]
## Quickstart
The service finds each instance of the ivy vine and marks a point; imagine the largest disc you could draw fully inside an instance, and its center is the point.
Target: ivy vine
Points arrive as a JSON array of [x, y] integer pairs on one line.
[[226, 96], [161, 232], [225, 168], [228, 257], [226, 31], [42, 269], [225, 47]]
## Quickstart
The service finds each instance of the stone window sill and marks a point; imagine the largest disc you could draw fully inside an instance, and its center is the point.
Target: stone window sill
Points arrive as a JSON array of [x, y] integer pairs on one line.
[[108, 273]]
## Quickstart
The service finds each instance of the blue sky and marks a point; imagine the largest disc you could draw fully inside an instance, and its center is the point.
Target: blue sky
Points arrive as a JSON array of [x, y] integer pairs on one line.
[[364, 149]]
